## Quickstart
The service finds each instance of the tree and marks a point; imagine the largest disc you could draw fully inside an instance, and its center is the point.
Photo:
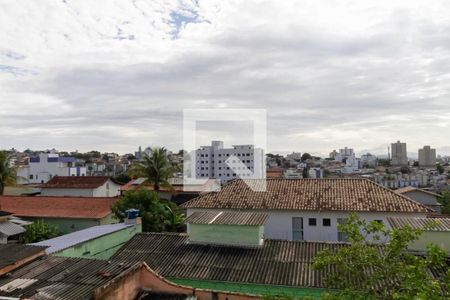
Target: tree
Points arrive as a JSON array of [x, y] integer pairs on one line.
[[38, 231], [365, 269], [445, 201], [156, 167], [306, 156], [157, 215], [7, 173], [440, 169]]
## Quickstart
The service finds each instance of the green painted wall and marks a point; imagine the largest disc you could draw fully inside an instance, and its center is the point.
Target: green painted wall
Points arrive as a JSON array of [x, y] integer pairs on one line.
[[255, 289], [440, 238], [68, 225], [103, 247], [225, 234]]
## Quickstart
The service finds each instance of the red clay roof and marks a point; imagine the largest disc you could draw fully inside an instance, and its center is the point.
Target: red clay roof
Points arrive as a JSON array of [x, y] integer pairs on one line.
[[75, 182], [349, 194], [57, 207]]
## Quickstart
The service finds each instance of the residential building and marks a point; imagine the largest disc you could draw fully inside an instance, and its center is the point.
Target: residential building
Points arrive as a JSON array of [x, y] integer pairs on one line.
[[68, 214], [225, 164], [435, 231], [97, 242], [368, 160], [274, 172], [347, 156], [399, 154], [9, 230], [427, 157], [85, 186], [309, 209], [44, 167], [315, 173], [424, 197]]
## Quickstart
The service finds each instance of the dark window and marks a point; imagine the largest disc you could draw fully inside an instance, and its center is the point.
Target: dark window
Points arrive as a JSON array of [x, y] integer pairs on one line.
[[312, 221], [326, 222]]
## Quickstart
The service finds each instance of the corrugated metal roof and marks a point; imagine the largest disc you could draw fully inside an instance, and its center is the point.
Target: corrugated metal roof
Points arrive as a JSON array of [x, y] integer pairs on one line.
[[428, 224], [12, 253], [277, 262], [61, 278], [68, 240], [9, 228], [227, 218], [346, 194]]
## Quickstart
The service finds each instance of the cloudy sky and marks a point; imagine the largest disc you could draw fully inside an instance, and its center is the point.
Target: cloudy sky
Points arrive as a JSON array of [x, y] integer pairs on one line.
[[113, 75]]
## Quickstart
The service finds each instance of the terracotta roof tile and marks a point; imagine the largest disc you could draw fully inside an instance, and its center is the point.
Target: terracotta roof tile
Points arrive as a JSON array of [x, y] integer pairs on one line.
[[58, 207], [75, 182], [349, 194]]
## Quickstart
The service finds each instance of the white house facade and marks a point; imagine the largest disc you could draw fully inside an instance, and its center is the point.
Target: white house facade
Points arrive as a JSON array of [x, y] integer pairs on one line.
[[86, 186], [310, 209]]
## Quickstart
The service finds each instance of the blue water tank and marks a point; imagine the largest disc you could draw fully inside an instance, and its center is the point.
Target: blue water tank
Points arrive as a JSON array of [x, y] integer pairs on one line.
[[132, 213]]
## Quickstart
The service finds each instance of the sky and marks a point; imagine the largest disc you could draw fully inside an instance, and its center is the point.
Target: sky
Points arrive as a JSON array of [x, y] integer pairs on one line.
[[112, 75]]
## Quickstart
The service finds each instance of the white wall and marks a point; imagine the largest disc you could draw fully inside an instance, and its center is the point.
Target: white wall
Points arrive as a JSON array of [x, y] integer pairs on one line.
[[279, 224], [108, 189]]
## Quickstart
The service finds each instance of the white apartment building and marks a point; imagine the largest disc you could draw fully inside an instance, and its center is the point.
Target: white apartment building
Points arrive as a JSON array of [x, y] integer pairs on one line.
[[347, 156], [44, 167], [225, 164], [399, 154], [368, 160], [427, 157]]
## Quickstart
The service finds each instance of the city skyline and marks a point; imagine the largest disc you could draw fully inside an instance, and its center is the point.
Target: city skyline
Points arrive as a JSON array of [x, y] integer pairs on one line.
[[111, 77]]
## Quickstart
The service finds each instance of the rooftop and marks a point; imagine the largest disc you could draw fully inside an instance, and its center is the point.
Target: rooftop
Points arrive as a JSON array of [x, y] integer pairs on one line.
[[75, 182], [68, 240], [227, 218], [9, 228], [58, 207], [277, 262], [13, 253], [409, 189], [347, 194], [428, 224]]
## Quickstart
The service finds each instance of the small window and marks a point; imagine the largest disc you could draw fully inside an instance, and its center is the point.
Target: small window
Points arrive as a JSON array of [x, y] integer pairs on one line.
[[312, 222], [326, 222], [31, 176]]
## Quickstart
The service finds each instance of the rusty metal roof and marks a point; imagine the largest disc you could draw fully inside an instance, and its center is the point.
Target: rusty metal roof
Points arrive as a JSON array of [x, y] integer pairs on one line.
[[428, 224], [227, 218], [346, 194], [277, 262]]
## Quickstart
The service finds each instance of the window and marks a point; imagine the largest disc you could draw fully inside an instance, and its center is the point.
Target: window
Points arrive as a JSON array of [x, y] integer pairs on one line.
[[31, 176], [312, 222], [297, 229], [342, 237], [326, 222]]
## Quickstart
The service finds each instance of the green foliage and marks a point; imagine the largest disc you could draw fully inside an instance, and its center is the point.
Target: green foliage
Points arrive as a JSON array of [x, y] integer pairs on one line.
[[123, 178], [306, 156], [7, 173], [38, 231], [156, 168], [157, 215], [445, 201], [440, 169], [366, 270]]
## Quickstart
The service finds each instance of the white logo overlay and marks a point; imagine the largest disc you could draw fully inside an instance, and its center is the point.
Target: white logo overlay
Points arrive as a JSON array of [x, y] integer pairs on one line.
[[206, 172]]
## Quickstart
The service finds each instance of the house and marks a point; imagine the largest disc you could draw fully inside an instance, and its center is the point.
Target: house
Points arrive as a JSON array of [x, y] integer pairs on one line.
[[85, 186], [8, 230], [44, 167], [97, 242], [68, 214], [434, 231], [309, 209], [422, 196]]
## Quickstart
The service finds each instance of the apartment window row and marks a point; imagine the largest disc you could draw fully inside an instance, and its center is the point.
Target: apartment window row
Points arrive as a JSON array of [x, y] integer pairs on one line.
[[326, 222]]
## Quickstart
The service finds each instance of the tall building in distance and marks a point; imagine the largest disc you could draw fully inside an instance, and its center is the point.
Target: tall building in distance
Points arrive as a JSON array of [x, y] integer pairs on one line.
[[399, 154], [427, 157], [225, 164]]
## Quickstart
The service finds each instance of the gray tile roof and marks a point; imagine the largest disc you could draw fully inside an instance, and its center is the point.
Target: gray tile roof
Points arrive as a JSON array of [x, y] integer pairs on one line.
[[68, 240], [228, 218], [437, 224], [9, 228]]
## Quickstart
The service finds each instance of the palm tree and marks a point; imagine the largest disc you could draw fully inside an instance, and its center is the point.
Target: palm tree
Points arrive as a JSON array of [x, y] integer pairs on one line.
[[7, 173], [156, 168]]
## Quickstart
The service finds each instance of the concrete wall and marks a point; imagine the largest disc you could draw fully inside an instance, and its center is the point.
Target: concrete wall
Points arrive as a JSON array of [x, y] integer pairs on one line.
[[440, 238], [225, 234], [424, 198], [279, 223], [103, 247], [109, 189]]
